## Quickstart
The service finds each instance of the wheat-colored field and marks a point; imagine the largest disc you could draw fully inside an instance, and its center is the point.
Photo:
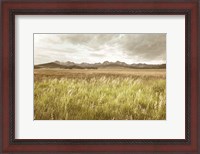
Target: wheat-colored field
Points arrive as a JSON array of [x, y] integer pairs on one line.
[[99, 94]]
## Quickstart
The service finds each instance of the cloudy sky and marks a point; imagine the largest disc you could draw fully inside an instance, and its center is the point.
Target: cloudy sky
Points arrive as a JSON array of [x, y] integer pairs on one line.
[[94, 48]]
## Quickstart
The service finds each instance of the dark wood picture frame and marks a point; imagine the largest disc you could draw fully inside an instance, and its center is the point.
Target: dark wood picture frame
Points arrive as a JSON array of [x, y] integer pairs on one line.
[[48, 7]]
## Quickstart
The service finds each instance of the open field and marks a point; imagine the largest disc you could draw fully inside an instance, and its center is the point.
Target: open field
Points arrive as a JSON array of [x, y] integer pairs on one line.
[[99, 94]]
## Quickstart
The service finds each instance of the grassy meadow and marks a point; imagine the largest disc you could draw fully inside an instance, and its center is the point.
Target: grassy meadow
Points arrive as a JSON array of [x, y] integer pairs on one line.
[[99, 94]]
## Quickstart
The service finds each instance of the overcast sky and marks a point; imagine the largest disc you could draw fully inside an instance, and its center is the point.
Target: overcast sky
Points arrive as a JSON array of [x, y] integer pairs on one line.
[[94, 48]]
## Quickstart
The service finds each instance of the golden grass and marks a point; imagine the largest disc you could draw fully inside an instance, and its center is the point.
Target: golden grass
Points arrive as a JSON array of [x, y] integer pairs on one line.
[[127, 94]]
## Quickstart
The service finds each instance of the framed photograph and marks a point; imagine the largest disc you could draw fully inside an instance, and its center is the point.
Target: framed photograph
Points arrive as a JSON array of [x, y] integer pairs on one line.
[[100, 76]]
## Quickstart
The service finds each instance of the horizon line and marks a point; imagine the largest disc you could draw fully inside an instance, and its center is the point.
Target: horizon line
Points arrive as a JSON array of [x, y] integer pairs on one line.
[[101, 62]]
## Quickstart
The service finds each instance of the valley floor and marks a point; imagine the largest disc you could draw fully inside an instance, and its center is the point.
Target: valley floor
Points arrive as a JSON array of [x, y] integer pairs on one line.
[[99, 94]]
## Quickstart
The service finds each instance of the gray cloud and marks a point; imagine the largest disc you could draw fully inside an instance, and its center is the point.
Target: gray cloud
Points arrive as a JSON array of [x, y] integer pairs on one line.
[[56, 50], [145, 46], [130, 48]]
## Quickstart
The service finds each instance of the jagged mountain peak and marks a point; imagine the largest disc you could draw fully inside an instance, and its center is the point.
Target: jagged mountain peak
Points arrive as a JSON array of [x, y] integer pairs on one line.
[[105, 64]]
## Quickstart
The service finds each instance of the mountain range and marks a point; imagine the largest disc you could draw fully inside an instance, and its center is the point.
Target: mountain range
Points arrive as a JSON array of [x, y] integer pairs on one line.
[[105, 64]]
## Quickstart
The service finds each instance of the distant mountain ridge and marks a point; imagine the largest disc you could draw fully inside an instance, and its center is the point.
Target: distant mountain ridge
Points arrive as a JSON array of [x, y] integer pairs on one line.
[[105, 64]]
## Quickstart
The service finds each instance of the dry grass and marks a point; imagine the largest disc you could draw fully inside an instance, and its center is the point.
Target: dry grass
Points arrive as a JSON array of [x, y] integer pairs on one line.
[[102, 94]]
